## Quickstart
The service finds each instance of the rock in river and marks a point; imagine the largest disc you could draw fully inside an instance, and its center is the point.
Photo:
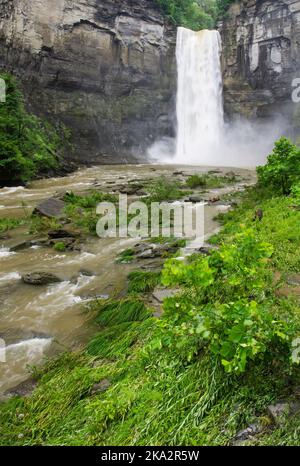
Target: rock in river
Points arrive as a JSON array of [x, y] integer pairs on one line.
[[51, 208], [40, 278]]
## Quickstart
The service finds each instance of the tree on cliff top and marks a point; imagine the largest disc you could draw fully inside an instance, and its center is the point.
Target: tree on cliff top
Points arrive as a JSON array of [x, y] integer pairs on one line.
[[194, 14]]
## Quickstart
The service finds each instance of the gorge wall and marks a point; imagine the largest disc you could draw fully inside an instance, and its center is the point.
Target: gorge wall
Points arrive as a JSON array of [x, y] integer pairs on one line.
[[105, 68], [261, 57]]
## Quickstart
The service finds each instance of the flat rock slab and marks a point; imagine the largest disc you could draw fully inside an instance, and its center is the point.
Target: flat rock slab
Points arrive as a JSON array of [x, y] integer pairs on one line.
[[161, 294], [51, 208], [40, 278]]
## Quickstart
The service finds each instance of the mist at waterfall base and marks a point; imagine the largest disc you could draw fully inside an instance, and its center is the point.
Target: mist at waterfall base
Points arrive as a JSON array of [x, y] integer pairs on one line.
[[203, 135]]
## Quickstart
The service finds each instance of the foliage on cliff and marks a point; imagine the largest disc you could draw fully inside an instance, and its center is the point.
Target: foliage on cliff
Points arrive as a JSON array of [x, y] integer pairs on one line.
[[28, 145], [194, 14]]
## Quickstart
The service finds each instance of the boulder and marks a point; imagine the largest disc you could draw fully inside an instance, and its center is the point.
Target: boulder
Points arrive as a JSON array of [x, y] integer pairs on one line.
[[21, 246], [247, 434], [58, 234], [194, 199], [40, 278], [51, 208], [100, 387], [160, 294]]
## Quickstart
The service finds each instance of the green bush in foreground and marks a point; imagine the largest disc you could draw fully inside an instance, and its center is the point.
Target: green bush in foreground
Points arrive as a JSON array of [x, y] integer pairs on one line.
[[28, 146], [226, 306]]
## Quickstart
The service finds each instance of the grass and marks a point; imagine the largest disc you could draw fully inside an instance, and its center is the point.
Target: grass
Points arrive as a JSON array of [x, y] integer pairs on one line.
[[143, 282], [117, 312], [7, 224], [164, 189], [126, 256]]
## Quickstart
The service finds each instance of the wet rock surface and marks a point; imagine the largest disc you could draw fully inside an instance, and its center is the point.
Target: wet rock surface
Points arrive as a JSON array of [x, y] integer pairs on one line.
[[105, 68], [51, 208], [260, 50], [40, 278]]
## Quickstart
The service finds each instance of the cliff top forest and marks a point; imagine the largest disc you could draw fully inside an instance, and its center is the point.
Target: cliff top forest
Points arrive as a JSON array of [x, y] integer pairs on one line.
[[194, 14]]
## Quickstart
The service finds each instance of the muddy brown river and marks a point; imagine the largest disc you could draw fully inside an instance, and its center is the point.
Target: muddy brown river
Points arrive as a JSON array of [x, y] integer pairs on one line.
[[39, 321]]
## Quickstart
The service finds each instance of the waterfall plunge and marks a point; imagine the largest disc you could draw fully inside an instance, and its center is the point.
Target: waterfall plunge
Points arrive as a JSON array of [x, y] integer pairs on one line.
[[202, 136], [199, 96]]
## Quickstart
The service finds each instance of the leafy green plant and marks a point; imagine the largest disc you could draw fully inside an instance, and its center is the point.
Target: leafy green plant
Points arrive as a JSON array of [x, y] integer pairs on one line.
[[226, 306], [282, 169]]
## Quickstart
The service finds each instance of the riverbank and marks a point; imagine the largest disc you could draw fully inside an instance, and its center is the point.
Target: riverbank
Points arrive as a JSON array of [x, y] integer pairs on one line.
[[149, 376]]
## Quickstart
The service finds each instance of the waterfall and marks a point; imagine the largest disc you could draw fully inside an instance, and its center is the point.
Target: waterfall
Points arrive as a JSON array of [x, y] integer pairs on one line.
[[199, 97]]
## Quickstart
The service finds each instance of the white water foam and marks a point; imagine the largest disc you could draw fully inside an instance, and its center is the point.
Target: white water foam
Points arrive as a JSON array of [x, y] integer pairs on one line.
[[5, 252], [9, 277], [18, 357]]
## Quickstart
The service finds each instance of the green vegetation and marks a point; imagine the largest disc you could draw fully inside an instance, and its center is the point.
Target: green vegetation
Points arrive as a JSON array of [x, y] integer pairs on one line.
[[28, 145], [126, 257], [117, 312], [7, 224], [81, 210], [210, 181], [164, 189], [228, 306], [143, 282], [283, 168], [59, 246], [194, 14]]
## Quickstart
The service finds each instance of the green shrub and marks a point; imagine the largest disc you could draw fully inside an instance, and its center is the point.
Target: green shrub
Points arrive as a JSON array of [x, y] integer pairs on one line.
[[226, 306], [60, 247], [282, 169], [28, 145], [194, 14], [209, 181]]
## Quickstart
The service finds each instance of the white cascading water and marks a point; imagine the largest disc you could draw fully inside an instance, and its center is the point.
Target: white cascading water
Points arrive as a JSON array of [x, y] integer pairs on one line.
[[200, 115]]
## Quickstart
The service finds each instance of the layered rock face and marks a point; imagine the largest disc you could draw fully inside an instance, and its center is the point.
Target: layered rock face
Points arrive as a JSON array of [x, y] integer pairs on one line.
[[105, 68], [261, 40]]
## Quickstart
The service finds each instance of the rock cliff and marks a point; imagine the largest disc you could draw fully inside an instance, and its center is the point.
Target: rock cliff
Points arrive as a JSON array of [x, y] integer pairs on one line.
[[106, 68], [261, 41]]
